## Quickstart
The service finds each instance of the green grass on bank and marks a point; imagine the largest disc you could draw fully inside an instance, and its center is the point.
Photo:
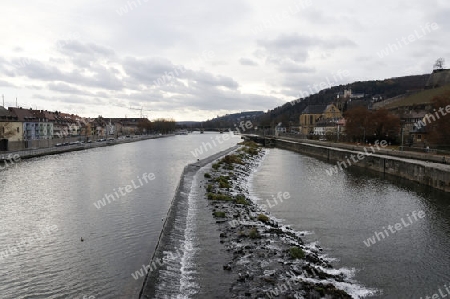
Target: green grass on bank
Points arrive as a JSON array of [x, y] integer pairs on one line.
[[420, 98]]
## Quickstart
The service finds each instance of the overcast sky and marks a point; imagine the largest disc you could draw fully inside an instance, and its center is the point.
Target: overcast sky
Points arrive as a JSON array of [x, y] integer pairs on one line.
[[194, 60]]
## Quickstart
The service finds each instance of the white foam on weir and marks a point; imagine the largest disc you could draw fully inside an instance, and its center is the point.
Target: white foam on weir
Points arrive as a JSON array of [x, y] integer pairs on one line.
[[352, 288], [300, 233], [348, 273], [356, 291], [312, 244], [327, 258], [188, 286], [248, 183]]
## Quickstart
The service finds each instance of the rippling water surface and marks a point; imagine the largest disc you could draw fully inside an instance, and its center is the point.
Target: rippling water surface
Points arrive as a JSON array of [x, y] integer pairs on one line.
[[344, 210], [48, 203]]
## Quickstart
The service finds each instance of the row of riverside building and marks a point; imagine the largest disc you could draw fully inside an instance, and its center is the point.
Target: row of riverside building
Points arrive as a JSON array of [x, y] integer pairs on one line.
[[27, 128], [327, 120]]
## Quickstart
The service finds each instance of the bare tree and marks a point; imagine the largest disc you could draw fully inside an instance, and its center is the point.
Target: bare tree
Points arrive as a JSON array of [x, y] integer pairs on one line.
[[439, 64]]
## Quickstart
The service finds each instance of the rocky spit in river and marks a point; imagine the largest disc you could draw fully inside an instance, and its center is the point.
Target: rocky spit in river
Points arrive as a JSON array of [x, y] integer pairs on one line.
[[270, 260]]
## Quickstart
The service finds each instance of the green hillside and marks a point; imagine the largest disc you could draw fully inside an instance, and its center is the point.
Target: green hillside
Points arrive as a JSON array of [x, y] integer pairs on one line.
[[420, 98]]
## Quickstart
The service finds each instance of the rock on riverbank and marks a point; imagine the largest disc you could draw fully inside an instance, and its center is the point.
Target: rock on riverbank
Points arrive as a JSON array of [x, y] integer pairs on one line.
[[270, 259]]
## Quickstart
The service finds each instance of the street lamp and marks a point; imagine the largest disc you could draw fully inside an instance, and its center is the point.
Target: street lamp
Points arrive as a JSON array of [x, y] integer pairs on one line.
[[402, 123], [337, 134], [364, 138]]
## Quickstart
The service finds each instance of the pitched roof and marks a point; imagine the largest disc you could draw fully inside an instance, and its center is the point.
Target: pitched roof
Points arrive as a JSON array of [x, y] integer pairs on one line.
[[330, 105], [5, 114], [314, 109], [24, 115]]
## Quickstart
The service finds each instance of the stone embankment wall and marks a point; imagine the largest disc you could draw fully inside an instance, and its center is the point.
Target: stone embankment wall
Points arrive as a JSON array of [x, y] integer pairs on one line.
[[429, 170]]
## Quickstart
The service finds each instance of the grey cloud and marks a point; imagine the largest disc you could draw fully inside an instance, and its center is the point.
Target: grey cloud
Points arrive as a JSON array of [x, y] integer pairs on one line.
[[5, 83], [207, 99], [66, 88], [73, 99], [296, 41], [72, 47], [247, 61], [37, 70], [288, 66], [102, 78], [208, 79], [147, 70]]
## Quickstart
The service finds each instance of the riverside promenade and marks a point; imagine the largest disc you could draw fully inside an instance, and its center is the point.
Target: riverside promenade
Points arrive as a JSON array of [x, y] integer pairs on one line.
[[424, 168], [31, 153], [422, 156]]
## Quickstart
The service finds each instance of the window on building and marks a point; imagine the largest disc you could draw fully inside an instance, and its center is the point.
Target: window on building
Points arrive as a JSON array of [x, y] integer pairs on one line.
[[419, 137]]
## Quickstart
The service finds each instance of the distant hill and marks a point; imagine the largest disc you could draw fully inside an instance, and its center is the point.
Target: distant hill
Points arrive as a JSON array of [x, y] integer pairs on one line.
[[399, 90], [229, 120], [289, 113], [419, 98], [188, 123], [438, 78]]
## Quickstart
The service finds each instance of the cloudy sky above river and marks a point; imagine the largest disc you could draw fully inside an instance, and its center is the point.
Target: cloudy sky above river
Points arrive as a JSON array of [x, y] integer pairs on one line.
[[193, 60]]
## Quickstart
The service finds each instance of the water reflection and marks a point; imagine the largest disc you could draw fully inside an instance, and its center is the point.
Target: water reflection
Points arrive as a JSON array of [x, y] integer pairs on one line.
[[118, 238], [345, 209]]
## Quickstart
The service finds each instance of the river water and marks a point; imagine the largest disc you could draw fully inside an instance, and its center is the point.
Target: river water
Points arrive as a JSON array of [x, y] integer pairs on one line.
[[341, 212], [47, 205]]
